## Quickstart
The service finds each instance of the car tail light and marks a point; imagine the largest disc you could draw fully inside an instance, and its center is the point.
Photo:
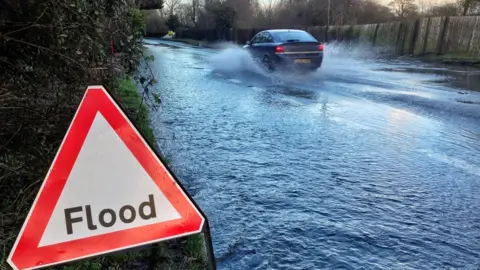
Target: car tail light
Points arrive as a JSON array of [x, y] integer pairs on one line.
[[320, 47], [279, 49]]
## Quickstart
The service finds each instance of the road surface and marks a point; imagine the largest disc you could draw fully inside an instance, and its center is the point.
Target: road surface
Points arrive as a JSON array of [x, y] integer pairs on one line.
[[365, 164]]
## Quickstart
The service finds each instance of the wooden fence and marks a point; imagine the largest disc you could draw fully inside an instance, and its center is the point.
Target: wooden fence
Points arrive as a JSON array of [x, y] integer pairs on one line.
[[438, 35]]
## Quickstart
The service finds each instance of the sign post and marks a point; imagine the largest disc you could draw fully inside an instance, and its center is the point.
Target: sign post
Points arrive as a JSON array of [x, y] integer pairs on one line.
[[107, 190]]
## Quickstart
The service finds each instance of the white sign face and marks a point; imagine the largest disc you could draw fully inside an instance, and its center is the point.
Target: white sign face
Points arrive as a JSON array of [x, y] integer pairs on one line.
[[107, 191]]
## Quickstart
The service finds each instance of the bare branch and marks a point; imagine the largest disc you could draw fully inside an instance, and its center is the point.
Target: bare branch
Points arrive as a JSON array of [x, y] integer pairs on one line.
[[43, 48], [25, 28]]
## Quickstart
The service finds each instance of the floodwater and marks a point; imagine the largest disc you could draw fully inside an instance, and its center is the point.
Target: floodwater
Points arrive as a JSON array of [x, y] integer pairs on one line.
[[365, 164]]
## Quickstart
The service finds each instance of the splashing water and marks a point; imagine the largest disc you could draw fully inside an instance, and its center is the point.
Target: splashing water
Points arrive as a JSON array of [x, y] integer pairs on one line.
[[357, 50], [339, 58], [233, 58]]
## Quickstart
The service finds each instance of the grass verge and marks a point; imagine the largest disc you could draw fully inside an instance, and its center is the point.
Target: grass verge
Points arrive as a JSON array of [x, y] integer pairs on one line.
[[459, 59], [131, 100]]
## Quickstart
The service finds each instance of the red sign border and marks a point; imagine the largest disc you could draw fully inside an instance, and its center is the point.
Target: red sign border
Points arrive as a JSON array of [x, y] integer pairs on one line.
[[26, 254]]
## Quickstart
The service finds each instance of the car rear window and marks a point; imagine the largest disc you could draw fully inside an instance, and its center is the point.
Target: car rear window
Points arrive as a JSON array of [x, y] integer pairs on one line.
[[294, 36]]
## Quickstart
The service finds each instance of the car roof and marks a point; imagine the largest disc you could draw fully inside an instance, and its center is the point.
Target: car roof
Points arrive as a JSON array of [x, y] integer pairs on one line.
[[283, 30]]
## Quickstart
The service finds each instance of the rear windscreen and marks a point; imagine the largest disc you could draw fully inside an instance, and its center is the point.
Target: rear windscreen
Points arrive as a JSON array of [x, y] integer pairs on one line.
[[294, 36]]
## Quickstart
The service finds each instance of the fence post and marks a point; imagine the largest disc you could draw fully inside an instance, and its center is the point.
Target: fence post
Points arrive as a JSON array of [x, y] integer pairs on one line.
[[425, 40], [469, 49], [397, 42], [415, 34], [375, 34], [441, 39]]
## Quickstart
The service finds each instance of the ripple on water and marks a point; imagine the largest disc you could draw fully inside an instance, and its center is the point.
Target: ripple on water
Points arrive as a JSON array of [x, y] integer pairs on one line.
[[332, 183]]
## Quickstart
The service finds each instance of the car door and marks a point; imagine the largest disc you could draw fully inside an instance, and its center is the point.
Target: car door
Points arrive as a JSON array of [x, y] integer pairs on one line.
[[265, 46], [256, 44]]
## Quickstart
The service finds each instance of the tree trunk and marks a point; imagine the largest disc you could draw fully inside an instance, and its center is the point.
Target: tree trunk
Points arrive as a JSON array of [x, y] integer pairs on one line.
[[466, 5]]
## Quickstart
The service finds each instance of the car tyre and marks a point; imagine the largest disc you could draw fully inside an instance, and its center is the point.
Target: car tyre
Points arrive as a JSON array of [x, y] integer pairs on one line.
[[268, 64]]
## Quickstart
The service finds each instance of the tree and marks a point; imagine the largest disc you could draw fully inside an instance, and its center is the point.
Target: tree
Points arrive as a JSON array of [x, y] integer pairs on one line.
[[224, 15], [403, 8], [345, 12], [217, 14], [468, 5], [184, 14], [373, 12], [155, 23], [171, 6], [451, 9], [150, 4], [267, 12], [172, 22], [194, 12], [243, 10]]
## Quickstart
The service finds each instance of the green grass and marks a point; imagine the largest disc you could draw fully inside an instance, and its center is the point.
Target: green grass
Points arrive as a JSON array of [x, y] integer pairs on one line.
[[114, 261], [131, 100], [195, 247], [454, 58]]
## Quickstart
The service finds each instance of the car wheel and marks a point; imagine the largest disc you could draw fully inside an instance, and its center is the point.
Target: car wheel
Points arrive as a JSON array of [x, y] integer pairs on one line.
[[268, 64]]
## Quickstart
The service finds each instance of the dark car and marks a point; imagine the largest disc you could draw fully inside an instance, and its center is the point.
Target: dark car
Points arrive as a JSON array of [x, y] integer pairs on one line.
[[284, 48]]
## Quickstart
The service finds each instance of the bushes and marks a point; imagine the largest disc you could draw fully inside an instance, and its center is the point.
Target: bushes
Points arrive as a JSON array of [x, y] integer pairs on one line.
[[49, 52]]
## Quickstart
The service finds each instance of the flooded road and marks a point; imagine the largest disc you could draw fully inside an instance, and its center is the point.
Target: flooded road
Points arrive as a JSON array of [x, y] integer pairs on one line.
[[365, 164]]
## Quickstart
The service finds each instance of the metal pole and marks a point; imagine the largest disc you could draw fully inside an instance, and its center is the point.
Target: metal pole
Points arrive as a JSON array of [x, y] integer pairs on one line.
[[209, 246], [153, 260]]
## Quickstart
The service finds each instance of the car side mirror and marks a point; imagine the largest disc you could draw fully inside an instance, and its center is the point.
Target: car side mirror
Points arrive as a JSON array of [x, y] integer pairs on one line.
[[249, 42]]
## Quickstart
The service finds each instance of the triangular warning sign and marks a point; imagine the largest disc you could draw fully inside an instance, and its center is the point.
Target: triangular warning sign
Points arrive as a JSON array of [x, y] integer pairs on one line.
[[106, 191]]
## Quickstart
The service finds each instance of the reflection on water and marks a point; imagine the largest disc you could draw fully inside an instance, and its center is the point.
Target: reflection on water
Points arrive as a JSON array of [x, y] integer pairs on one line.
[[465, 78], [401, 126]]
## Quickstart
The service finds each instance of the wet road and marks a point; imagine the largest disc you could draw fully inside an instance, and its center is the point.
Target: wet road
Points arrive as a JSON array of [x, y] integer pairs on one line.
[[365, 164]]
